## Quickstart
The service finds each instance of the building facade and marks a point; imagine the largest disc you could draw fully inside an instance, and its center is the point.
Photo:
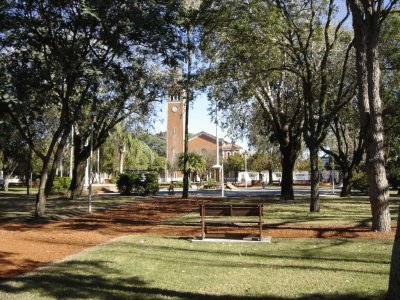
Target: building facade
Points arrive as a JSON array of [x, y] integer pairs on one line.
[[202, 143]]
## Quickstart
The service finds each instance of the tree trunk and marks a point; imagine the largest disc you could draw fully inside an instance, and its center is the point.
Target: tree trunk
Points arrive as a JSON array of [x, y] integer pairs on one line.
[[78, 174], [378, 184], [41, 197], [29, 172], [347, 182], [121, 160], [56, 161], [289, 156], [366, 24], [6, 182], [81, 154], [270, 176], [393, 292], [314, 197]]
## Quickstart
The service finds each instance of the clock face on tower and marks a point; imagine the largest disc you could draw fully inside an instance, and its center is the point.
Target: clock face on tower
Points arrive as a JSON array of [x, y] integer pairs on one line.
[[174, 109]]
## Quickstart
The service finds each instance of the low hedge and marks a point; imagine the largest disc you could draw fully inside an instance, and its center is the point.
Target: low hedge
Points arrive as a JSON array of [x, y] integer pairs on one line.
[[138, 183]]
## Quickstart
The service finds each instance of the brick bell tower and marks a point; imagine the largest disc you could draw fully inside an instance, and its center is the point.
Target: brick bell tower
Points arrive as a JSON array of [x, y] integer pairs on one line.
[[175, 129]]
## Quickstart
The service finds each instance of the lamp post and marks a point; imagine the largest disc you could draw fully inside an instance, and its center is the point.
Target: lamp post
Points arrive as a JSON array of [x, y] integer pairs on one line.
[[245, 168], [222, 171], [93, 120], [333, 176]]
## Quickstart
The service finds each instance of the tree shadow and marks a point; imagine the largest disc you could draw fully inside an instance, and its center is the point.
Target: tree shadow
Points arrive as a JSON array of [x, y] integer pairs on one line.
[[96, 279], [12, 267]]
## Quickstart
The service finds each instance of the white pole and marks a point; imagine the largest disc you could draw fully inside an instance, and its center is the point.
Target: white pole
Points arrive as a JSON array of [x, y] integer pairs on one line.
[[71, 155], [216, 135], [333, 176], [90, 169], [98, 165], [245, 168], [222, 172]]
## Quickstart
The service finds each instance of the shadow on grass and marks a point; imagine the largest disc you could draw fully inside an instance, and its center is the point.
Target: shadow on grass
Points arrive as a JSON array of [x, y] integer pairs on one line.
[[8, 262], [76, 280], [309, 259]]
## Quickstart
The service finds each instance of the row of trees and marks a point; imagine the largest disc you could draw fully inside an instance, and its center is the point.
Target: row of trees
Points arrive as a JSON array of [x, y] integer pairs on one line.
[[60, 61], [298, 68], [298, 71]]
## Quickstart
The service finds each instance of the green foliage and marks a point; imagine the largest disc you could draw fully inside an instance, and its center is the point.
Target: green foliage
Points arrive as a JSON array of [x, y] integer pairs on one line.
[[394, 177], [234, 163], [178, 184], [196, 162], [211, 181], [360, 181], [138, 183], [61, 184]]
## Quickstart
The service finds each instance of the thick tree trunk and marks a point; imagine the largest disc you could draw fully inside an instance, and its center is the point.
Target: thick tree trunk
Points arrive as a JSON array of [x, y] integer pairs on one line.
[[393, 292], [289, 156], [56, 161], [366, 24], [6, 182], [78, 174], [314, 197], [378, 184], [81, 154], [41, 197], [347, 182]]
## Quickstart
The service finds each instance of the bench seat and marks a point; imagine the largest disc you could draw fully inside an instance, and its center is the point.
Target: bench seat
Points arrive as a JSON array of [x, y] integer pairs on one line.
[[226, 214]]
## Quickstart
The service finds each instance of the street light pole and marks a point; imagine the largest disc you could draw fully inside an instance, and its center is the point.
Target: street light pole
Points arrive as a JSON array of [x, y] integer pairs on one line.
[[93, 120], [245, 169], [333, 176], [222, 171]]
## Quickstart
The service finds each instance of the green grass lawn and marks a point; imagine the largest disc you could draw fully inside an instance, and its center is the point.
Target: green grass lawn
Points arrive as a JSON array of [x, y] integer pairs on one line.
[[15, 206], [350, 211], [173, 268]]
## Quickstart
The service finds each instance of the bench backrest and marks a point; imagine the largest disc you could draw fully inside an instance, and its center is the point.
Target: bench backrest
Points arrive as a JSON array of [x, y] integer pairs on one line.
[[231, 210]]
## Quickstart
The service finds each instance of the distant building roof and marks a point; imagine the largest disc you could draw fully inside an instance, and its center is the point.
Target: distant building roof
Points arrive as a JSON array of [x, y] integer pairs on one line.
[[212, 138]]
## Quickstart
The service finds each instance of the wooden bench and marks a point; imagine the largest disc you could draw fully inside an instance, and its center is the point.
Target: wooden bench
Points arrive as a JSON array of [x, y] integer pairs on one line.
[[224, 214]]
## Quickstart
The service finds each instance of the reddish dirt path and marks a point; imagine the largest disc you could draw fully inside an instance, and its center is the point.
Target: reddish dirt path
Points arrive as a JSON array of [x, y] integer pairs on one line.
[[26, 246]]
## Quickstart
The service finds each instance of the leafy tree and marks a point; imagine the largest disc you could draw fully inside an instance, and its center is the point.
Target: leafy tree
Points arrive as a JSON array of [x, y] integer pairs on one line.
[[247, 72], [319, 51], [368, 16], [157, 142], [234, 163], [64, 56], [349, 149], [261, 161], [123, 152], [15, 155], [196, 163]]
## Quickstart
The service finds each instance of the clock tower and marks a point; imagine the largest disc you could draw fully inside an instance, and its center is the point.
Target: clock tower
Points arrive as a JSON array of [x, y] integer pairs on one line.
[[175, 128]]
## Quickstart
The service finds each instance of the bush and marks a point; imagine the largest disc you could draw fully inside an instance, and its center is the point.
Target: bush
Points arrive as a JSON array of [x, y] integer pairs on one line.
[[394, 178], [360, 182], [114, 180], [178, 184], [138, 183], [61, 184]]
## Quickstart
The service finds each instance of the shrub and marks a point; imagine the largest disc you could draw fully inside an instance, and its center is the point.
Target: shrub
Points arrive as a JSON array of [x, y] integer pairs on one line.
[[360, 182], [394, 177], [61, 184], [178, 184], [138, 183]]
